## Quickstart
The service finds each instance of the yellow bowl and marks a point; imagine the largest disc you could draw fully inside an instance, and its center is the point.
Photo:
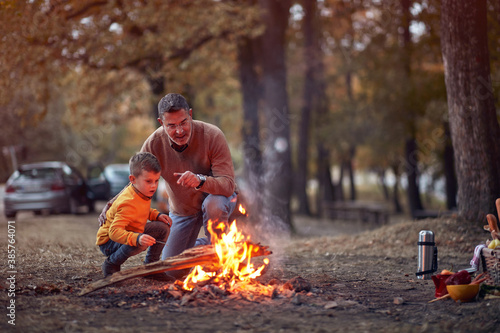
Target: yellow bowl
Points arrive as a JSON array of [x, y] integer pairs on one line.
[[463, 292]]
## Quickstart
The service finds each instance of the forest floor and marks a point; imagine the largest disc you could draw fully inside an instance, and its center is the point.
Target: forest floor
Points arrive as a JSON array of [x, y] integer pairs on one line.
[[358, 277]]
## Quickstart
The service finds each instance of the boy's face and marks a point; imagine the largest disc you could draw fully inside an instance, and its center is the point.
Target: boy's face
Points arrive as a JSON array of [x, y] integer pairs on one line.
[[146, 182]]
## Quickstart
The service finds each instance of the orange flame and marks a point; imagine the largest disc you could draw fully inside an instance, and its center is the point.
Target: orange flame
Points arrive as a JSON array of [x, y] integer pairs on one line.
[[242, 209], [234, 271]]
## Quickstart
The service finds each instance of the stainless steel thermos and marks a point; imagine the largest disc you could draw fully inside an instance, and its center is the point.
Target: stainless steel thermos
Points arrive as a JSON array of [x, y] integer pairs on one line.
[[427, 255]]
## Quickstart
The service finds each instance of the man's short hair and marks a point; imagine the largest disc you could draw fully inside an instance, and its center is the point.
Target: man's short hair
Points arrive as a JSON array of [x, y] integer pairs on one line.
[[171, 103], [143, 161]]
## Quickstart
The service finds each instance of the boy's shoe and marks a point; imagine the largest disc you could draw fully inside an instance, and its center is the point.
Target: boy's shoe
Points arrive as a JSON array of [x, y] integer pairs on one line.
[[162, 276], [109, 268]]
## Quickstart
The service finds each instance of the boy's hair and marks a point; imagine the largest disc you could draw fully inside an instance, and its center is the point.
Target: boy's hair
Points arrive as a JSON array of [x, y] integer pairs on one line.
[[171, 103], [143, 161]]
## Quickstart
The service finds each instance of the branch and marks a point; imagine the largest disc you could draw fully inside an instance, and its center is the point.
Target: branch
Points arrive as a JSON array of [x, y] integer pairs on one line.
[[88, 6], [200, 255]]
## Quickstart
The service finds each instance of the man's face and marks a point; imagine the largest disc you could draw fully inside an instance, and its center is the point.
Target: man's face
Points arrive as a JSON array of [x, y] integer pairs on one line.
[[178, 125], [146, 182]]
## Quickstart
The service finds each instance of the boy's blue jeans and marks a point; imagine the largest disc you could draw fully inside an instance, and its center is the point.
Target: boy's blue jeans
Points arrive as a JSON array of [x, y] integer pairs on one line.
[[118, 253], [185, 229]]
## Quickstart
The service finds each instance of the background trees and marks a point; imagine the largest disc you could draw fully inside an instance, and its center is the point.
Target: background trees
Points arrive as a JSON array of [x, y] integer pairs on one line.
[[307, 92], [474, 125]]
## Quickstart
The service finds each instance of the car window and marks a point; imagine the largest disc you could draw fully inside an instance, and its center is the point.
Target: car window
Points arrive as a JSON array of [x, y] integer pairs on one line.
[[71, 175], [42, 173], [120, 172]]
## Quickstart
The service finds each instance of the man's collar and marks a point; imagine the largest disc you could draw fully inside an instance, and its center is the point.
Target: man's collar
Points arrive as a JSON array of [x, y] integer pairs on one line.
[[178, 148]]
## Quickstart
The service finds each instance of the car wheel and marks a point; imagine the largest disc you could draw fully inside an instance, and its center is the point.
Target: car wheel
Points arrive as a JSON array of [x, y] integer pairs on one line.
[[10, 214], [38, 212], [91, 206], [73, 206]]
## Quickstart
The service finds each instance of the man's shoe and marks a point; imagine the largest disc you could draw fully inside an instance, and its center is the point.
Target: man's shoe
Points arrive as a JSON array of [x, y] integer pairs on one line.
[[109, 268], [160, 277]]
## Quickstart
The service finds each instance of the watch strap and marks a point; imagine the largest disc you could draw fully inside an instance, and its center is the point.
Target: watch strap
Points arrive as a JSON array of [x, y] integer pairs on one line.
[[202, 181]]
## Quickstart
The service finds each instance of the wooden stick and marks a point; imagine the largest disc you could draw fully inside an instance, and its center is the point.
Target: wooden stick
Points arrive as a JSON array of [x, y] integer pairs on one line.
[[479, 281], [497, 203], [478, 277], [440, 298], [200, 255]]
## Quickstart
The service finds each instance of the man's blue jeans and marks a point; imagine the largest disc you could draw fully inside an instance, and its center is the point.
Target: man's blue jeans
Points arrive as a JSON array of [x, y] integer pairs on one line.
[[185, 229], [119, 253]]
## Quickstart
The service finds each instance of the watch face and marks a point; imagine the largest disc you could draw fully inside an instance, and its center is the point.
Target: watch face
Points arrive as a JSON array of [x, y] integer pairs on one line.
[[202, 181]]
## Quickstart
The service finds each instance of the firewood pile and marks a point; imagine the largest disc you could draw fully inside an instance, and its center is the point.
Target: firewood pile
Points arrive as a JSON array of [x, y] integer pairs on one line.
[[149, 293], [200, 255], [293, 290]]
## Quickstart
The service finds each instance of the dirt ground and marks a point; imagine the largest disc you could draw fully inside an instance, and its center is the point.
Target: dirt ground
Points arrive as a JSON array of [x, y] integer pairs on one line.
[[356, 278]]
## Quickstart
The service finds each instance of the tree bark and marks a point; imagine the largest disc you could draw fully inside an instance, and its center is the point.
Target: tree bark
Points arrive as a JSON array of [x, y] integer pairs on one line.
[[413, 191], [475, 131], [449, 171], [411, 148], [276, 155], [311, 60], [352, 148], [324, 177], [350, 169], [395, 191], [339, 187], [383, 184], [252, 156]]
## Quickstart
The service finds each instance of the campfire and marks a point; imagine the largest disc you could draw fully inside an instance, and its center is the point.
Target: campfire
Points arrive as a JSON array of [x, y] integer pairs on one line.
[[227, 264], [234, 270]]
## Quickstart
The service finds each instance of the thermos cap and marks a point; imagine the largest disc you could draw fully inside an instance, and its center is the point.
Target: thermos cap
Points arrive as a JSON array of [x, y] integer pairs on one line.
[[426, 236]]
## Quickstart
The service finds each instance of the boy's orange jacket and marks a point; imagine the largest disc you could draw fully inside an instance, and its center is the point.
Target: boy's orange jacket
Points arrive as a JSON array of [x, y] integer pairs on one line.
[[126, 218]]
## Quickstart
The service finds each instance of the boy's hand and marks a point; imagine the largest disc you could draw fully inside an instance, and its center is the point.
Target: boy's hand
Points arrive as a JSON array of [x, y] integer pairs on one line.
[[102, 216], [165, 219], [146, 240]]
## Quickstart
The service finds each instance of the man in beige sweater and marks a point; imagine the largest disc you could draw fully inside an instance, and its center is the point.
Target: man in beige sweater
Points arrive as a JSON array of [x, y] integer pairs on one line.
[[198, 170]]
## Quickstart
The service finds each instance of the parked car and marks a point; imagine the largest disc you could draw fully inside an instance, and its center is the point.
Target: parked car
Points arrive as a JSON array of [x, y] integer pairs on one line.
[[117, 176], [50, 186], [98, 186]]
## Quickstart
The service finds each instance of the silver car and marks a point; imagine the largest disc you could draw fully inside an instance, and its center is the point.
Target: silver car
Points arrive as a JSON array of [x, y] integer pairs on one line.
[[117, 176], [47, 186]]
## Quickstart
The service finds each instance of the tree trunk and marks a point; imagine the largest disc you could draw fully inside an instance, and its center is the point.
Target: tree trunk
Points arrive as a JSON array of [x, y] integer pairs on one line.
[[411, 148], [413, 191], [449, 171], [395, 191], [475, 131], [350, 169], [352, 148], [276, 156], [324, 177], [311, 59], [157, 85], [252, 156], [339, 187], [326, 190], [385, 190]]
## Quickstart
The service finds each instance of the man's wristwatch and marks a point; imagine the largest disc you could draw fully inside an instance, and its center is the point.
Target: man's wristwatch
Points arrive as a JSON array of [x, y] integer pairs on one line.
[[202, 181]]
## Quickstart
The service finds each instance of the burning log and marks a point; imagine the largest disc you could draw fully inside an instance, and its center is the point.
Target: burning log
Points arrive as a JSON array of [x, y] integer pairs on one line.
[[200, 255]]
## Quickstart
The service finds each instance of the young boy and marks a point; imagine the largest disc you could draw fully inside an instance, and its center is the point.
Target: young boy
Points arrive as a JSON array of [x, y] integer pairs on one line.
[[125, 232]]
